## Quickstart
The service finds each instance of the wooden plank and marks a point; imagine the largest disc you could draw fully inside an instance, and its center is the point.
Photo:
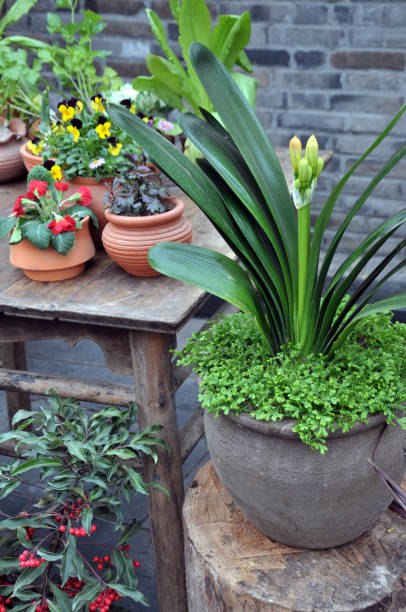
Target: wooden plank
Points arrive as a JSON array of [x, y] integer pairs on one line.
[[156, 405], [191, 433], [232, 567], [77, 388], [12, 355]]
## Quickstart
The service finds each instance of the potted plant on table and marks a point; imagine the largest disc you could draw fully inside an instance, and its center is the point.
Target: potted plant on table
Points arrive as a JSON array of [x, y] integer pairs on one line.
[[50, 238], [305, 367], [81, 144], [140, 213]]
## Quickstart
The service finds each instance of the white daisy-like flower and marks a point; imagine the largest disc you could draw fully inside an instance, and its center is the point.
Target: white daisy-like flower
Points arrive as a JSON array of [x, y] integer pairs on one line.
[[165, 126], [96, 163], [125, 91]]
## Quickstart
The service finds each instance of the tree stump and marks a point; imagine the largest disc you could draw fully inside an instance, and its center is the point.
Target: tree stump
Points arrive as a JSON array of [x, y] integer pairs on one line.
[[232, 567]]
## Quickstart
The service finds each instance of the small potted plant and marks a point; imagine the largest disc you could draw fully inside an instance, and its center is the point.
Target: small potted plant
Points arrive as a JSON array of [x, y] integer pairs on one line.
[[50, 238], [140, 213], [308, 382], [84, 145]]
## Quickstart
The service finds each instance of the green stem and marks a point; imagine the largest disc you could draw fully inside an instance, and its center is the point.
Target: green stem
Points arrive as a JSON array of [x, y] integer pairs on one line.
[[303, 221]]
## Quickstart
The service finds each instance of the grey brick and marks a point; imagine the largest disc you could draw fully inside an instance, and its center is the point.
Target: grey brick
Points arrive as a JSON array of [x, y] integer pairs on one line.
[[309, 80], [374, 81], [129, 70], [344, 14], [310, 13], [123, 27], [119, 7], [388, 188], [262, 76], [389, 60], [270, 100], [370, 167], [308, 100], [313, 121], [269, 57], [370, 103], [306, 36], [394, 15], [309, 59], [356, 144], [371, 124]]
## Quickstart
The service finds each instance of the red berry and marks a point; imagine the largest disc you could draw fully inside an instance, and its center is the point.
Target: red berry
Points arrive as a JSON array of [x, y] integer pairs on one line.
[[95, 559], [106, 558], [62, 528], [136, 563], [100, 566]]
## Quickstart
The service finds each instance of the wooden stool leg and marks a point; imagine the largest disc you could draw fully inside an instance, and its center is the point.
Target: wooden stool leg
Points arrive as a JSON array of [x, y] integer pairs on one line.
[[12, 356], [156, 404]]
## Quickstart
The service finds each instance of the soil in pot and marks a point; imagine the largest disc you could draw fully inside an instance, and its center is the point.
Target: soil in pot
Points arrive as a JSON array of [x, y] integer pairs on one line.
[[295, 495], [47, 264], [128, 239]]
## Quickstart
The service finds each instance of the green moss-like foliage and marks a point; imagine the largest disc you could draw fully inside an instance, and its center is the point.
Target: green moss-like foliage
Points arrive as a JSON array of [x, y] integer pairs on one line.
[[366, 376]]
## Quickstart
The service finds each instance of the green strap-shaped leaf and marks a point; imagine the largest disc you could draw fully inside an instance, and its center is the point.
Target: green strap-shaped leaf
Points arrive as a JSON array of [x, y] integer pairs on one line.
[[175, 9], [237, 39], [247, 85], [240, 121], [6, 225], [244, 62], [160, 35], [210, 271], [87, 595], [15, 12], [31, 464], [163, 70]]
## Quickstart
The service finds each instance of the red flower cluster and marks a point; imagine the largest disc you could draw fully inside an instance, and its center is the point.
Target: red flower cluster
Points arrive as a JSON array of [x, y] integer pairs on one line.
[[39, 186], [101, 560], [104, 600], [30, 532], [60, 186], [67, 224], [86, 195], [78, 531], [30, 559], [41, 607]]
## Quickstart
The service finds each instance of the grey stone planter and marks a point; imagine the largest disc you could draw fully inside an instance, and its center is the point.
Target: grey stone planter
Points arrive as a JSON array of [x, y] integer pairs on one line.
[[295, 495]]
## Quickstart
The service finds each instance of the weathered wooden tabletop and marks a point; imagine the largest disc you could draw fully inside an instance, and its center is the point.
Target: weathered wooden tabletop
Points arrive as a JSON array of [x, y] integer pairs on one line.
[[104, 294]]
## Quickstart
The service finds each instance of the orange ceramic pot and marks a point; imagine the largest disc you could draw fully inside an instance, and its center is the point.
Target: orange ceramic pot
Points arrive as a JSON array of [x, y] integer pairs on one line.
[[47, 264], [98, 190], [128, 239], [30, 160]]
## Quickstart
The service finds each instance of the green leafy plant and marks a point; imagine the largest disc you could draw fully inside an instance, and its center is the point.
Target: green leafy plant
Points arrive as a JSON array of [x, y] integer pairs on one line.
[[86, 467], [137, 193], [74, 62], [43, 216], [180, 87], [14, 13], [241, 187], [19, 91], [366, 376]]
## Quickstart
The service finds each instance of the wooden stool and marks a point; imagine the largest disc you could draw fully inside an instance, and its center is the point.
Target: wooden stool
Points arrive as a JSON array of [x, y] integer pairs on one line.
[[232, 567]]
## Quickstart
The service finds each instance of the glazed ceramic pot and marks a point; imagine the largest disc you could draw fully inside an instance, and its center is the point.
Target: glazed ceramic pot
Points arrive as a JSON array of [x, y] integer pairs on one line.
[[29, 159], [47, 264], [128, 239], [295, 495], [98, 190]]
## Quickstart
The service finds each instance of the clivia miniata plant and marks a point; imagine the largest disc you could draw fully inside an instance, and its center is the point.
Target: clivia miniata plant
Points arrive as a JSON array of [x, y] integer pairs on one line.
[[83, 475], [44, 216], [296, 306]]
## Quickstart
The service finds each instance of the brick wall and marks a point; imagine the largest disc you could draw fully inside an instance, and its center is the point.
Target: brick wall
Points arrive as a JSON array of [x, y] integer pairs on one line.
[[335, 68]]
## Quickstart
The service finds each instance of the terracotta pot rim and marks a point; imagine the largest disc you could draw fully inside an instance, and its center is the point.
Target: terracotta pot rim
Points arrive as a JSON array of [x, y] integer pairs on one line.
[[90, 180], [161, 219], [284, 428], [25, 152]]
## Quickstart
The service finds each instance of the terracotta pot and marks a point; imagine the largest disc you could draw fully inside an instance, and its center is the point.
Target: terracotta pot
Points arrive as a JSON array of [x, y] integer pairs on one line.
[[30, 160], [11, 164], [128, 239], [295, 495], [98, 190], [47, 264]]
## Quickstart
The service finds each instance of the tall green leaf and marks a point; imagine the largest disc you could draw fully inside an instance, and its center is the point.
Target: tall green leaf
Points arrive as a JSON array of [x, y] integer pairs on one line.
[[211, 272], [240, 120]]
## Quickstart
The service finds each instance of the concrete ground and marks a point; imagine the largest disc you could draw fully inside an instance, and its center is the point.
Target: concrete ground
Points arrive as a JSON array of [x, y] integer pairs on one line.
[[86, 360]]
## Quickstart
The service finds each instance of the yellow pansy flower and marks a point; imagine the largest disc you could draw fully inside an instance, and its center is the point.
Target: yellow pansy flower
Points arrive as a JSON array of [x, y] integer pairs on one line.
[[97, 103], [67, 111], [74, 131], [56, 172], [114, 149], [103, 129], [35, 145]]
